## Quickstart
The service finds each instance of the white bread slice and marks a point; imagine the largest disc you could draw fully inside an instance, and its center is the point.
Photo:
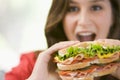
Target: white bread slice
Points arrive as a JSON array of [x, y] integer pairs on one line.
[[73, 66]]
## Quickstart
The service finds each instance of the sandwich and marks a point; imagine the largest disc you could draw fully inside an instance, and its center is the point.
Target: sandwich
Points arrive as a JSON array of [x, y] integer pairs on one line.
[[89, 59]]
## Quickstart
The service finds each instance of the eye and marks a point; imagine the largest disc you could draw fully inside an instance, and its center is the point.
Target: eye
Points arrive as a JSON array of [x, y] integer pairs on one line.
[[96, 8], [73, 9]]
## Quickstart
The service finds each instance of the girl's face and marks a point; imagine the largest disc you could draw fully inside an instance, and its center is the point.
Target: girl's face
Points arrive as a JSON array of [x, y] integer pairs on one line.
[[88, 19]]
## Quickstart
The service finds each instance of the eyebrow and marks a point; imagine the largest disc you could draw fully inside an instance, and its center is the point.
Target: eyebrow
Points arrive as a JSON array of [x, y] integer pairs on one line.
[[71, 1]]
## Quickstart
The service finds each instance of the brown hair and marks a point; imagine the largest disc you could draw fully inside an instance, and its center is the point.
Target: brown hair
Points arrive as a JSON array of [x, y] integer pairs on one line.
[[54, 29], [115, 28]]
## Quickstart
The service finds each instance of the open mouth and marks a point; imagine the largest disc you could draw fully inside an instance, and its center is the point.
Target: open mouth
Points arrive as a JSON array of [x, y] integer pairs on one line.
[[86, 36]]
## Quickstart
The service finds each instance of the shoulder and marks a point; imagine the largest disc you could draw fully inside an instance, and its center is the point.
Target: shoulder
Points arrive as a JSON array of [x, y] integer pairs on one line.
[[24, 68], [30, 56]]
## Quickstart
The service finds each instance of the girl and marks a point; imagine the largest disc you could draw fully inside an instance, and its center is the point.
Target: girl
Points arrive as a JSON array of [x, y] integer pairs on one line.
[[70, 21]]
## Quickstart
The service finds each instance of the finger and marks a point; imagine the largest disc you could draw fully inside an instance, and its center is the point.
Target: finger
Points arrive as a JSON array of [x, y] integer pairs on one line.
[[62, 45]]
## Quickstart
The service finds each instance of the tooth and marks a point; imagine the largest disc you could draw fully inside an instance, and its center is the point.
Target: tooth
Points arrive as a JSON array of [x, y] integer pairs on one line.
[[85, 34]]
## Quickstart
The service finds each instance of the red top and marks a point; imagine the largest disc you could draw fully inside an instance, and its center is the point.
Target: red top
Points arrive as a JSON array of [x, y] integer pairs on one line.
[[23, 70]]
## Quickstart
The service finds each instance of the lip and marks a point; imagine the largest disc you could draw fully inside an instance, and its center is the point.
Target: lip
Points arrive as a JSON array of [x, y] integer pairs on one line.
[[86, 36]]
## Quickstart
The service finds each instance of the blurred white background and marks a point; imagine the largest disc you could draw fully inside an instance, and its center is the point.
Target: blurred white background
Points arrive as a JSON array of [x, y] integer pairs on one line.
[[21, 29]]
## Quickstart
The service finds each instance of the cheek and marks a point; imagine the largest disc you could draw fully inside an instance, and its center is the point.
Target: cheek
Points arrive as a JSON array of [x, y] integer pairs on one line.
[[69, 26], [68, 21], [104, 24], [106, 19]]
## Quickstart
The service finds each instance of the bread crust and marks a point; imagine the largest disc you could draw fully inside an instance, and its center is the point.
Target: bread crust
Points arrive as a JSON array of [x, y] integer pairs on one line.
[[73, 66], [104, 42]]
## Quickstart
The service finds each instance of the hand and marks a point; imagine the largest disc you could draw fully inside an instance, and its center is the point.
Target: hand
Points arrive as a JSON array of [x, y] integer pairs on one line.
[[117, 72], [40, 71]]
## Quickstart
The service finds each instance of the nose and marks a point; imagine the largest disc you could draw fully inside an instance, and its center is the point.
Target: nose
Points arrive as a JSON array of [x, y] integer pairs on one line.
[[84, 19]]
